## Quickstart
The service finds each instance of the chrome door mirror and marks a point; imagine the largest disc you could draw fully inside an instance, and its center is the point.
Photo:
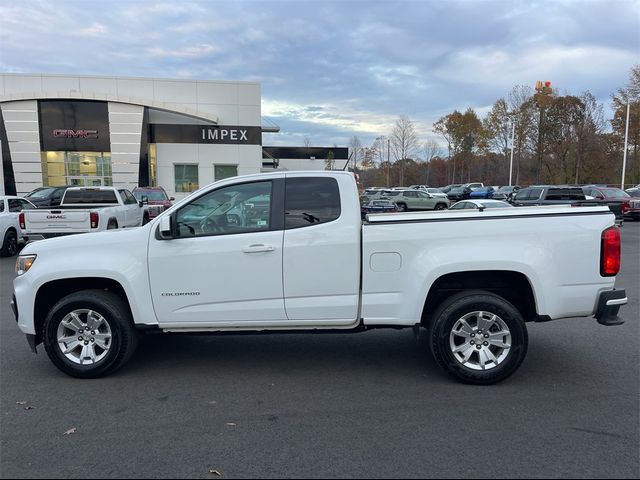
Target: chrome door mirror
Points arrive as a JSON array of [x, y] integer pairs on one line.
[[164, 229]]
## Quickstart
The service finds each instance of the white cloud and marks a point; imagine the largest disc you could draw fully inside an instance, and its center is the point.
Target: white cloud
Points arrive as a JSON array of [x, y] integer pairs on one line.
[[186, 52]]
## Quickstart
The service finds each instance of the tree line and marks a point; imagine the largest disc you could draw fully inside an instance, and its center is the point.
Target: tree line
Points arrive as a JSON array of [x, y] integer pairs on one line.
[[557, 139]]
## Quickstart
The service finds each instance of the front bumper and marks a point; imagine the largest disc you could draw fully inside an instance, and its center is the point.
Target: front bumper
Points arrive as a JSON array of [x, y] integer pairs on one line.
[[608, 307]]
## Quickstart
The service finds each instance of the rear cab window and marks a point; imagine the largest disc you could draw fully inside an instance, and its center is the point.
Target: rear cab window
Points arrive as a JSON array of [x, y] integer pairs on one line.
[[311, 201], [89, 196]]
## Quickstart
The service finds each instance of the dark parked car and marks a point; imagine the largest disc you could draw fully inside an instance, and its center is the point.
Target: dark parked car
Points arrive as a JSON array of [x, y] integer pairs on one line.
[[505, 193], [548, 195], [155, 199], [459, 193], [44, 197], [448, 188], [378, 206], [629, 206]]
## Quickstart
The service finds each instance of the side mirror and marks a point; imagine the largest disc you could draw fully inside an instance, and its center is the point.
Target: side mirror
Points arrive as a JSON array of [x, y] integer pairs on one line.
[[145, 200], [140, 203], [165, 227], [172, 199]]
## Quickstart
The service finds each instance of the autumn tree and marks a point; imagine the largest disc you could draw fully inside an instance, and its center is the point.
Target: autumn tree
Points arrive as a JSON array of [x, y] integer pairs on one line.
[[630, 94]]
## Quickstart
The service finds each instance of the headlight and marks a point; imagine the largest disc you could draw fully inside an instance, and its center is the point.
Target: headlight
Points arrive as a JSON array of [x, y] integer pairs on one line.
[[24, 263]]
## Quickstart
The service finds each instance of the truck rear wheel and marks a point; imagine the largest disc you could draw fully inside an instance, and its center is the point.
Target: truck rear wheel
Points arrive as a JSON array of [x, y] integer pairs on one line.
[[478, 337], [89, 334]]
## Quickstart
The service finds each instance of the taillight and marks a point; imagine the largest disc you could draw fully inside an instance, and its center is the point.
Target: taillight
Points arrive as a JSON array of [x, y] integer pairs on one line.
[[626, 207], [610, 252], [21, 221], [93, 218]]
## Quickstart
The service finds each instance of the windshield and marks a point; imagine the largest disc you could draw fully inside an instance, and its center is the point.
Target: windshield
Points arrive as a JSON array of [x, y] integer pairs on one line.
[[41, 193], [152, 195]]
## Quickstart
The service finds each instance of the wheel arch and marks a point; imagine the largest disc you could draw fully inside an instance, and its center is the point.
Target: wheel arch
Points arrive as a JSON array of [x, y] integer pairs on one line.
[[513, 286], [51, 292]]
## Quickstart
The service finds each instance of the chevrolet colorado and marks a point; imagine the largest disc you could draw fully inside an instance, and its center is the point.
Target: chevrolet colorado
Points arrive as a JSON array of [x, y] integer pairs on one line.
[[289, 252]]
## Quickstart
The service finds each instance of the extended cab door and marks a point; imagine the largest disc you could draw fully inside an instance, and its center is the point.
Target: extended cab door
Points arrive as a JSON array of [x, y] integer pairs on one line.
[[321, 267], [223, 266]]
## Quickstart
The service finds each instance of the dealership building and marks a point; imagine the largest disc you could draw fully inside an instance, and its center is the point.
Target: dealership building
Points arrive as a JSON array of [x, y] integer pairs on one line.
[[128, 132]]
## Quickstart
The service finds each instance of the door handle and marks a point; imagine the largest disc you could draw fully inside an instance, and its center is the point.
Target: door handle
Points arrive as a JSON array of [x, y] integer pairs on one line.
[[258, 248]]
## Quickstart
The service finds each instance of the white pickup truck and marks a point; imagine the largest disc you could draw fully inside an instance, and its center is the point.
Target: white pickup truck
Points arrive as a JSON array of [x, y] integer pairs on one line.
[[84, 210], [289, 252]]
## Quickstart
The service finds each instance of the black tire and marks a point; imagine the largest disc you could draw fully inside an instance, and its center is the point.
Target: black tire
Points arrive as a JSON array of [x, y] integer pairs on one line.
[[441, 206], [9, 244], [112, 225], [454, 309], [402, 207], [123, 342]]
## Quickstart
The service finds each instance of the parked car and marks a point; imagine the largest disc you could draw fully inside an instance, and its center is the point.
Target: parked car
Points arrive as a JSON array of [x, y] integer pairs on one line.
[[378, 206], [459, 193], [482, 192], [44, 197], [435, 192], [448, 188], [418, 187], [630, 207], [416, 200], [479, 205], [633, 192], [155, 201], [473, 186], [10, 231], [304, 261], [505, 193], [548, 195]]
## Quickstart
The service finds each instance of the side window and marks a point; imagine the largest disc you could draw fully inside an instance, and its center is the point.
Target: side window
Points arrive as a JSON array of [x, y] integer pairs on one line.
[[470, 206], [130, 199], [24, 205], [14, 205], [1, 206], [311, 201], [535, 194], [523, 194], [234, 209], [458, 206]]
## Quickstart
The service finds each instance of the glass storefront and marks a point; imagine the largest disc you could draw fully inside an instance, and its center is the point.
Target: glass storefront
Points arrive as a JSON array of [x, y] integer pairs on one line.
[[76, 168]]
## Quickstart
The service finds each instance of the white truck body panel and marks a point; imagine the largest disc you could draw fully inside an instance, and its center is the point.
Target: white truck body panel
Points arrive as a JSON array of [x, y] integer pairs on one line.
[[312, 278]]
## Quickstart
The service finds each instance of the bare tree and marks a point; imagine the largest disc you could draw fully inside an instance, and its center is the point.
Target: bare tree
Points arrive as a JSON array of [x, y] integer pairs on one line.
[[431, 150], [404, 142], [356, 150]]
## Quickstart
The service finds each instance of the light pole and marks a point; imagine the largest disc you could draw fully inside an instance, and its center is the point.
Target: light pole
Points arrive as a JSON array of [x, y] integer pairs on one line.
[[626, 139], [513, 136], [382, 138]]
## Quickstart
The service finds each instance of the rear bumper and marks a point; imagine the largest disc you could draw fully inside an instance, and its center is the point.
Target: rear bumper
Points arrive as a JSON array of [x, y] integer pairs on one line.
[[608, 307]]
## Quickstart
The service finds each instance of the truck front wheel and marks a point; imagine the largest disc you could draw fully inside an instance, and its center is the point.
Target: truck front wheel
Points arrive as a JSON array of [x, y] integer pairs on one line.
[[89, 334], [478, 337]]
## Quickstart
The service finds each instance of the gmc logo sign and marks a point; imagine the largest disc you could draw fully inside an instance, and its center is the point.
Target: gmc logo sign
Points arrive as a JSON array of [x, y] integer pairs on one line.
[[56, 217], [75, 133]]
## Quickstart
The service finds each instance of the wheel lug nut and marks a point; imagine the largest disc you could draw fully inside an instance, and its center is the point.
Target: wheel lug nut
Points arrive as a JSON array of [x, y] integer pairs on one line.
[[86, 343], [486, 344], [93, 332], [473, 335], [486, 335], [80, 338], [479, 347], [472, 342]]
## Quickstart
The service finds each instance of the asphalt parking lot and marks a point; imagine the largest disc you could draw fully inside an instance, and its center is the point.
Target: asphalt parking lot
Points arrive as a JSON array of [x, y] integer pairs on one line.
[[368, 405]]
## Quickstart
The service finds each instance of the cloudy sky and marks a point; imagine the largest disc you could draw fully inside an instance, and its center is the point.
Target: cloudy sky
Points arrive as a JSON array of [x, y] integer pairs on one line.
[[332, 70]]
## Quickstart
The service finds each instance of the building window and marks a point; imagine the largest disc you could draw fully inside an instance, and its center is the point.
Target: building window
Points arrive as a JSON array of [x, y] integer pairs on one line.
[[76, 168], [221, 172], [153, 166], [186, 178]]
